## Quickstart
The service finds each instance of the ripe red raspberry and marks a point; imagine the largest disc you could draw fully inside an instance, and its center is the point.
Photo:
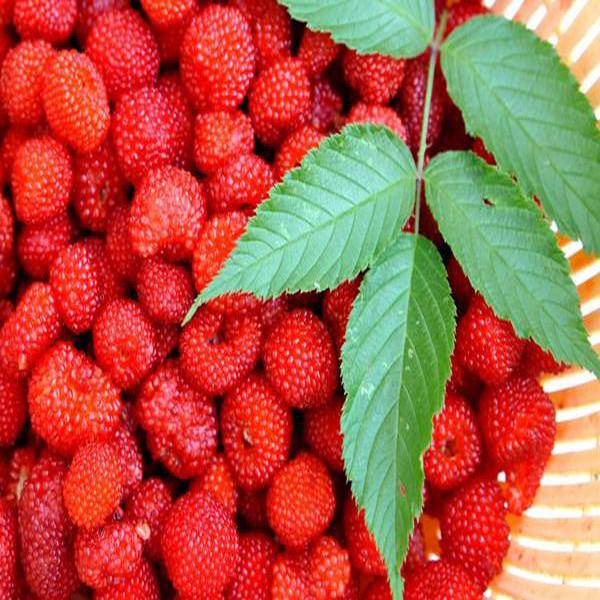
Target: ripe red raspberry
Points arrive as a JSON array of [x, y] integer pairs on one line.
[[220, 137], [169, 38], [523, 479], [13, 139], [271, 29], [142, 585], [147, 508], [291, 580], [461, 12], [300, 361], [252, 508], [487, 345], [112, 285], [130, 457], [32, 328], [6, 12], [75, 101], [47, 559], [301, 501], [271, 311], [41, 180], [21, 463], [455, 451], [364, 553], [200, 546], [167, 339], [49, 20], [22, 79], [441, 579], [536, 361], [317, 51], [7, 228], [378, 114], [337, 306], [6, 309], [294, 148], [474, 530], [254, 574], [219, 482], [37, 246], [150, 131], [8, 550], [330, 569], [108, 555], [257, 432], [123, 260], [376, 78], [241, 184], [8, 274], [13, 409], [411, 102], [124, 342], [215, 244], [93, 485], [279, 100], [165, 13], [124, 50], [379, 589], [517, 420], [415, 556], [327, 105], [322, 433], [180, 422], [462, 290], [217, 58], [89, 11], [461, 381], [71, 401]]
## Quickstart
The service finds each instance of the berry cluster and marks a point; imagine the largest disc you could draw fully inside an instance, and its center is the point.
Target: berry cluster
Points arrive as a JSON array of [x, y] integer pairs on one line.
[[142, 461]]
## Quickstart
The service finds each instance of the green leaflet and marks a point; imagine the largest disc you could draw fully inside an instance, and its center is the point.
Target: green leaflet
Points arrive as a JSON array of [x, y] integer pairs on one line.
[[393, 27], [516, 94], [395, 363], [509, 253]]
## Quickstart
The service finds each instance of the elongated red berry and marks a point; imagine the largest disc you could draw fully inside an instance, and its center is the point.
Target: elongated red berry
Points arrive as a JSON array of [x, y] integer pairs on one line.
[[322, 433], [330, 570], [291, 578], [294, 148]]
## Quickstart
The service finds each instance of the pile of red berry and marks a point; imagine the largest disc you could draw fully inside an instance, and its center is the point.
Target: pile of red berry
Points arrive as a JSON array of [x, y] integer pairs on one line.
[[139, 460]]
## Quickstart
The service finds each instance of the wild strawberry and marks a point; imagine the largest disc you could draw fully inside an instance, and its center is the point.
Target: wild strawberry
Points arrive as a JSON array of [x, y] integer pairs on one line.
[[47, 559], [167, 214], [455, 451], [254, 574], [294, 148], [523, 479], [462, 290], [180, 422], [300, 361], [7, 228], [13, 139], [219, 482], [257, 429], [337, 306], [22, 80], [379, 589], [376, 78], [75, 101], [487, 345], [271, 311], [441, 578], [49, 20], [8, 550], [291, 580], [20, 466], [13, 409], [377, 114], [317, 51], [41, 180], [33, 327], [108, 554], [123, 260], [329, 568], [322, 433], [71, 401], [124, 50], [8, 274], [242, 183], [220, 137], [364, 553], [200, 546], [167, 339], [461, 12], [474, 530], [142, 585], [217, 352], [252, 509], [536, 361], [130, 458], [279, 100], [164, 13], [169, 38], [89, 11], [327, 105], [301, 501], [217, 58]]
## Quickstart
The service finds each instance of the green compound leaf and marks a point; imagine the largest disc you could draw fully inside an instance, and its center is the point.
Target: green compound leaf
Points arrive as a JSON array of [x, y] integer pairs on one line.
[[328, 218], [395, 363], [393, 27], [516, 94], [509, 253]]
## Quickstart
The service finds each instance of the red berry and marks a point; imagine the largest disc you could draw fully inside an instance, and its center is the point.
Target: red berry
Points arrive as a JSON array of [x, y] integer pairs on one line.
[[279, 100], [13, 139], [200, 546], [291, 580], [123, 260], [487, 345], [124, 50], [330, 569], [461, 381], [317, 51], [217, 58], [300, 361], [219, 482], [7, 228], [479, 148], [8, 274], [377, 114], [322, 433], [220, 137], [337, 306], [50, 20], [8, 550], [327, 105], [415, 556], [13, 409], [462, 290], [256, 429], [474, 530], [130, 458], [169, 38], [523, 479], [461, 12], [455, 451], [20, 466], [71, 401], [252, 508], [164, 13], [441, 579], [301, 501], [41, 179], [180, 422], [294, 148], [89, 11], [142, 585], [6, 309], [536, 361], [379, 589], [217, 351]]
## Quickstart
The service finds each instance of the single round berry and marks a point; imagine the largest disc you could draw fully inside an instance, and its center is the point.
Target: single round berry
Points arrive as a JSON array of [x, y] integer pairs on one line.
[[330, 569], [49, 20], [13, 409], [294, 148], [317, 51], [337, 306], [89, 11], [219, 482], [165, 13], [142, 585], [461, 12], [291, 577], [200, 546], [123, 260], [7, 228], [256, 429], [326, 107], [130, 457], [8, 550], [322, 433], [441, 578], [377, 114], [169, 38], [301, 501], [379, 589], [300, 360], [21, 464]]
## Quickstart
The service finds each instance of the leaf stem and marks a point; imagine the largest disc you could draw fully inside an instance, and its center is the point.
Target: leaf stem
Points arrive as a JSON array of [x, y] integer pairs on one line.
[[435, 49]]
